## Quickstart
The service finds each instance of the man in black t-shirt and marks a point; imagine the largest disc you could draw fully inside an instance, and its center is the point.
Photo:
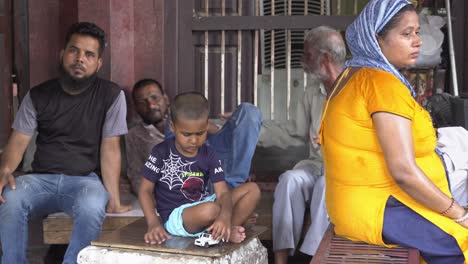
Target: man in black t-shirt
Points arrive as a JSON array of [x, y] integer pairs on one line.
[[79, 119]]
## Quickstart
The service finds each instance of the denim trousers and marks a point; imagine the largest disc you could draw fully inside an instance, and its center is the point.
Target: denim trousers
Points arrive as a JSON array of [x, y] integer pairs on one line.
[[235, 142], [84, 198]]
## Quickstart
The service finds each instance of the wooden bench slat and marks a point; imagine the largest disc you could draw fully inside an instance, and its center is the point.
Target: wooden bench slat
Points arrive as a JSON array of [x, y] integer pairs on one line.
[[63, 237], [66, 224], [58, 230], [335, 249]]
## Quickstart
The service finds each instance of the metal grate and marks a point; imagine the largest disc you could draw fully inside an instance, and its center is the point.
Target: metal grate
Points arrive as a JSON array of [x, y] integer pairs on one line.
[[278, 41], [346, 251], [252, 49]]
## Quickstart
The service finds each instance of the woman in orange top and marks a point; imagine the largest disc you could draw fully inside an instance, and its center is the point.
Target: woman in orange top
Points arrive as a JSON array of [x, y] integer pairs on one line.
[[385, 182]]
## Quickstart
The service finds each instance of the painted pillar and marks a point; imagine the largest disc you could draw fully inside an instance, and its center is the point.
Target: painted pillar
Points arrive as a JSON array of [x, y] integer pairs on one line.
[[44, 42]]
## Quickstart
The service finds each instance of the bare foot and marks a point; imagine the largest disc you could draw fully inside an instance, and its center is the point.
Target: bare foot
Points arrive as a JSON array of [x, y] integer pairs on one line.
[[237, 234]]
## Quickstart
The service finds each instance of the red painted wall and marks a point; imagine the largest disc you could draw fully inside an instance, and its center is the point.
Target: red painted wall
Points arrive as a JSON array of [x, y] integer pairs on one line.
[[135, 38], [134, 30], [98, 12], [122, 42], [44, 43], [149, 39]]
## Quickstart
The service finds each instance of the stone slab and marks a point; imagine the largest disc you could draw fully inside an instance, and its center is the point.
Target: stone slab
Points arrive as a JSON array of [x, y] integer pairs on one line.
[[251, 252], [131, 237]]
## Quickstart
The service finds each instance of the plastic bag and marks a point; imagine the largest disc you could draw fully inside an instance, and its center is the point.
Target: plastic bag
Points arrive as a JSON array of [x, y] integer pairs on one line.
[[432, 38]]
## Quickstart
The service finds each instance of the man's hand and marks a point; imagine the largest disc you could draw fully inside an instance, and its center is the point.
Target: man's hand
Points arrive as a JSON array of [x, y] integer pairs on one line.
[[221, 228], [118, 208], [314, 140], [213, 128], [156, 234], [110, 168], [225, 116], [6, 178], [11, 157]]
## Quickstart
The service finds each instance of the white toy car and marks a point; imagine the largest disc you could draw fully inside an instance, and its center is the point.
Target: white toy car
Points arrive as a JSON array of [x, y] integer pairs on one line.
[[205, 240]]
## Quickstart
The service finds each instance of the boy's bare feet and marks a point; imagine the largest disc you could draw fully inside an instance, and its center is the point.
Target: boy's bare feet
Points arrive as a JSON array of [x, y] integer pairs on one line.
[[237, 234]]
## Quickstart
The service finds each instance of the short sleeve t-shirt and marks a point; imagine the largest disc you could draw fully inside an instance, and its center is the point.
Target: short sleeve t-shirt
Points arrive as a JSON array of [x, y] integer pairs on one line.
[[178, 179]]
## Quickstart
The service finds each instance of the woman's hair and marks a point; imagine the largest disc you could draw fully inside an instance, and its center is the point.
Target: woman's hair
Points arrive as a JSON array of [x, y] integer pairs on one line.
[[191, 106], [395, 20]]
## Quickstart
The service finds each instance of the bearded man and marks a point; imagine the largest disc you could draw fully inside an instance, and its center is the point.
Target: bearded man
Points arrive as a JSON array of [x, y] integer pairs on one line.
[[79, 119]]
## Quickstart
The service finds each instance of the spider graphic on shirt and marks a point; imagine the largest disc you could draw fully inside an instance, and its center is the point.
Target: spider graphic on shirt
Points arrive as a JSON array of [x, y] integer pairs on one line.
[[172, 174]]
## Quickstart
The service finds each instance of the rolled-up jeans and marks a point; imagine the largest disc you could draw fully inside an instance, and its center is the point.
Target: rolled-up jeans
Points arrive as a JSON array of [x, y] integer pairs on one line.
[[84, 198]]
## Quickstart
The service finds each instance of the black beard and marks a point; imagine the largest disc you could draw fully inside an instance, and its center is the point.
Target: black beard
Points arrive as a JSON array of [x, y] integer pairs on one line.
[[74, 85], [154, 121], [150, 121]]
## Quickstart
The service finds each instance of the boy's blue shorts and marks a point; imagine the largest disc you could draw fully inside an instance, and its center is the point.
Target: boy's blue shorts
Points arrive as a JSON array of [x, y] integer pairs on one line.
[[175, 224]]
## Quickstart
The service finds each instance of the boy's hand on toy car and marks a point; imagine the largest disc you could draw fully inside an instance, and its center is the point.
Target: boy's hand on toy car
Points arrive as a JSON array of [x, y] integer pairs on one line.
[[220, 229]]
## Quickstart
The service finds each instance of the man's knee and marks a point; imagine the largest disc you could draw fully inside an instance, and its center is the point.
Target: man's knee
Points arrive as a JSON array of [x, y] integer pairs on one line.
[[290, 179], [250, 113], [15, 205], [91, 205], [12, 196], [320, 183], [17, 199]]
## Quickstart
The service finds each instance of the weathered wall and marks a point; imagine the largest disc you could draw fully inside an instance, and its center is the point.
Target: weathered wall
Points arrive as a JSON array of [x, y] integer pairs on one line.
[[134, 30], [135, 44]]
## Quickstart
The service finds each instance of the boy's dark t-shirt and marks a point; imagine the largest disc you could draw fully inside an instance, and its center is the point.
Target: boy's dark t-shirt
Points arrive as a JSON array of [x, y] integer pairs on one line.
[[178, 179]]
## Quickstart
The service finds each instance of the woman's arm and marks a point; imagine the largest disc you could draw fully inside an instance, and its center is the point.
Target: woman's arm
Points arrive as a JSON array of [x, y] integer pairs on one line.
[[396, 140]]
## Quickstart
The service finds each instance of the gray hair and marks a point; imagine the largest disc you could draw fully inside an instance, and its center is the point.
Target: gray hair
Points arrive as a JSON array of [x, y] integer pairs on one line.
[[327, 39]]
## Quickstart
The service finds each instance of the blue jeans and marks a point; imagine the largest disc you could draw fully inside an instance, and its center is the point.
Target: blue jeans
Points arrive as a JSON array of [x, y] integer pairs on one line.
[[37, 195], [235, 142]]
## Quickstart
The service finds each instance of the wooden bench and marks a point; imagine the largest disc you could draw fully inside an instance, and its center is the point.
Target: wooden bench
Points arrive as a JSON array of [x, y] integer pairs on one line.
[[336, 249], [57, 227]]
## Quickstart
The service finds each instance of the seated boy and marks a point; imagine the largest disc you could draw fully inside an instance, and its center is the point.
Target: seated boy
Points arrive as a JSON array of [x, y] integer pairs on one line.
[[177, 174]]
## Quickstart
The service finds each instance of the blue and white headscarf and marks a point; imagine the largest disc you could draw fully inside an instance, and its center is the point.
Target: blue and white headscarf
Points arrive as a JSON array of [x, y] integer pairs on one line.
[[362, 40]]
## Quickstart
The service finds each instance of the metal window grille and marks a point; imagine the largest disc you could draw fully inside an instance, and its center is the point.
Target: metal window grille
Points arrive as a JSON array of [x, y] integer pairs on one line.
[[277, 78]]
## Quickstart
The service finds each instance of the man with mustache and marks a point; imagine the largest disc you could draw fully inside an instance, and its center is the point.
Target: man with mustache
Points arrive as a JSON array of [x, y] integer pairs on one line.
[[79, 118], [242, 129]]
